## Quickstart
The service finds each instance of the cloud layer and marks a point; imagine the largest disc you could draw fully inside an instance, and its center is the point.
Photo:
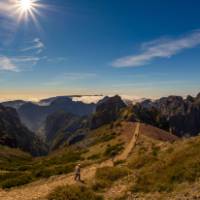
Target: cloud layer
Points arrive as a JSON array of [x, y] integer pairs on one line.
[[161, 48]]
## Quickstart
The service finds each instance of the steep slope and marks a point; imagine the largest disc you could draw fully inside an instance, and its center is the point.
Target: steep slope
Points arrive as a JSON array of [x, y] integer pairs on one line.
[[64, 128], [11, 159], [14, 134]]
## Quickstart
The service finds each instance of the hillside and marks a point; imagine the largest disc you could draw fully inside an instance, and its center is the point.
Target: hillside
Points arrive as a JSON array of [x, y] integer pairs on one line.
[[96, 151], [14, 134], [64, 128], [165, 171], [11, 159]]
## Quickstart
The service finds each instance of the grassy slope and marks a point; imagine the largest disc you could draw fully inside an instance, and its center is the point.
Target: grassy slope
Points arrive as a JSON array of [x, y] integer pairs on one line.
[[164, 171], [12, 159], [20, 168], [109, 181], [155, 165]]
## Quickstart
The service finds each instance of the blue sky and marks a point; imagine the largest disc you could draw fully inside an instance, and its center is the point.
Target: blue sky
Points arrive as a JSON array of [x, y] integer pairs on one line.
[[132, 47]]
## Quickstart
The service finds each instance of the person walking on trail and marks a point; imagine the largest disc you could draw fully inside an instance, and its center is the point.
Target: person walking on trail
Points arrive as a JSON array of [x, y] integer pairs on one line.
[[113, 154], [77, 176]]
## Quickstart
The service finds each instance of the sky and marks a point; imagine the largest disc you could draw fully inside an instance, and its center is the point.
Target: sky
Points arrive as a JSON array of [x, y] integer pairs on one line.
[[136, 48]]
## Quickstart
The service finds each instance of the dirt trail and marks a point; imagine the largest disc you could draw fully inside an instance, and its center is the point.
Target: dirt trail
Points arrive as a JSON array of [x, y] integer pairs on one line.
[[130, 146], [40, 189]]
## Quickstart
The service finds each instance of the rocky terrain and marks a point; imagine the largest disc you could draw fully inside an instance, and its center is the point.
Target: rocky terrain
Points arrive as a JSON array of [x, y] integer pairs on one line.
[[174, 113]]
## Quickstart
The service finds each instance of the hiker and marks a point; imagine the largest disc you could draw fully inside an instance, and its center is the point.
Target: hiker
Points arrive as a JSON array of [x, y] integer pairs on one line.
[[113, 154], [77, 176]]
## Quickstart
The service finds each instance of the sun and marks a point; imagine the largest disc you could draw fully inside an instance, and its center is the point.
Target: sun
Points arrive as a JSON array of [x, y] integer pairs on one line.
[[27, 9], [26, 5]]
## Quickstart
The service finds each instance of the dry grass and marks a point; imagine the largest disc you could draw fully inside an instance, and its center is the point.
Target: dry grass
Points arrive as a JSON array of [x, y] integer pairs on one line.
[[164, 170]]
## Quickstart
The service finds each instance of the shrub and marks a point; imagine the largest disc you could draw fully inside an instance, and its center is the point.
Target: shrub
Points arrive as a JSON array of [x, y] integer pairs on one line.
[[67, 157], [64, 169], [107, 137], [105, 176], [113, 150], [111, 173], [141, 160], [45, 172], [94, 157], [100, 184], [17, 181], [163, 172], [9, 175], [155, 150], [73, 192]]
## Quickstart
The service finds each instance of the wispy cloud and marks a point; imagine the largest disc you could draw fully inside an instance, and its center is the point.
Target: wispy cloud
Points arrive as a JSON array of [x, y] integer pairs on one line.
[[160, 48], [18, 63], [36, 45], [23, 61], [6, 64]]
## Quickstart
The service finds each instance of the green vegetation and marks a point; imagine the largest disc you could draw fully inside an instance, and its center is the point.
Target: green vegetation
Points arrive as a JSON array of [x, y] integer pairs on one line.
[[105, 176], [94, 157], [111, 173], [102, 134], [74, 192], [13, 159], [163, 171], [107, 137], [113, 150], [19, 179], [20, 168]]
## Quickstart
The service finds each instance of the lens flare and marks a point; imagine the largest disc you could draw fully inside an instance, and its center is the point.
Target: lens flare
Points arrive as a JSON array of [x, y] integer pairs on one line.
[[27, 9], [26, 5]]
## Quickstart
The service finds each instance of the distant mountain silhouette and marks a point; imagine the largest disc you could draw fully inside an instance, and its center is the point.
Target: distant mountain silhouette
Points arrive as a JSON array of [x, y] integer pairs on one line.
[[34, 115], [14, 104], [173, 113]]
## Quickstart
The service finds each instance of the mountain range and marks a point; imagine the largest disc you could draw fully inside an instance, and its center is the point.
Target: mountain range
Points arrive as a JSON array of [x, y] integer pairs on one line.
[[174, 113], [59, 121]]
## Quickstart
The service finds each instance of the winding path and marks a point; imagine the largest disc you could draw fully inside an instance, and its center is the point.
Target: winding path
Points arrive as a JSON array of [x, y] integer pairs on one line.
[[40, 189]]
